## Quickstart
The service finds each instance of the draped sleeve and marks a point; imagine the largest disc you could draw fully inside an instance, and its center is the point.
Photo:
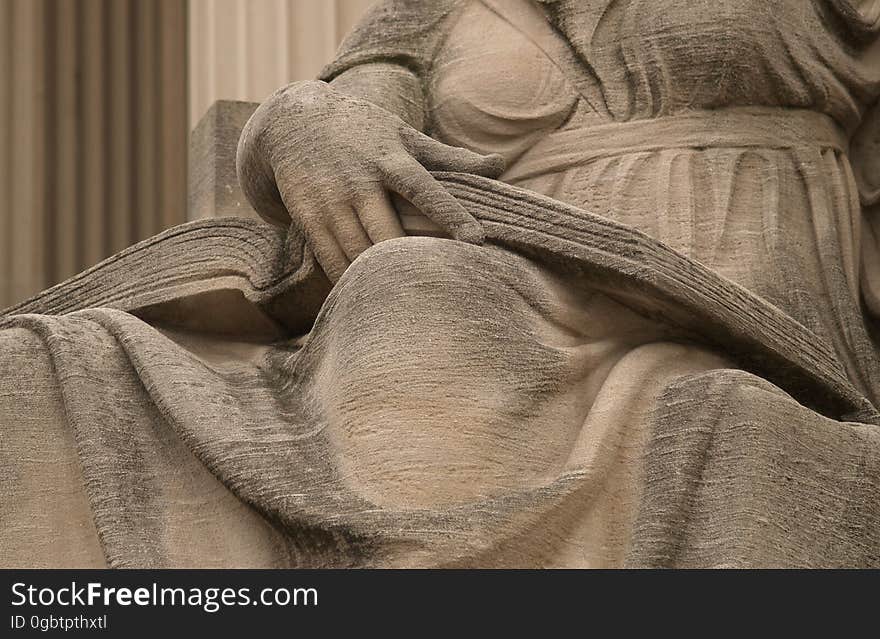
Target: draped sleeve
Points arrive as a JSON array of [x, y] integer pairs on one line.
[[865, 159], [406, 32]]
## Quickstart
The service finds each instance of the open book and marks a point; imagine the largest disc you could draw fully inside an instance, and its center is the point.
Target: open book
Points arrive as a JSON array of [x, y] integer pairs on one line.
[[243, 276]]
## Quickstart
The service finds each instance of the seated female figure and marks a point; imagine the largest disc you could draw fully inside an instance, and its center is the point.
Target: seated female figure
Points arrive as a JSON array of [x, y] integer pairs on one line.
[[456, 389]]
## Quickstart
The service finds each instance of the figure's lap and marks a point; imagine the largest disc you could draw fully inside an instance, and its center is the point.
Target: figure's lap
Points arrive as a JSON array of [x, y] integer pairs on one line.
[[441, 374], [448, 371]]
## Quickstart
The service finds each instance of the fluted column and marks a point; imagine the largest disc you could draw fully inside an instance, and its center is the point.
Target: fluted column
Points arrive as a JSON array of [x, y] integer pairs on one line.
[[23, 108], [93, 129], [245, 49]]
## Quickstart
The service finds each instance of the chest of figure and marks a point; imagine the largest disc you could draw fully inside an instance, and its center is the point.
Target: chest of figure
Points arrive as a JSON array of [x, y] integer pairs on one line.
[[492, 88], [635, 59], [651, 57]]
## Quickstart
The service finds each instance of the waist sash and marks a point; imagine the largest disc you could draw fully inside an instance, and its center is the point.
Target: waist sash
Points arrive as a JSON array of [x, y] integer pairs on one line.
[[739, 127]]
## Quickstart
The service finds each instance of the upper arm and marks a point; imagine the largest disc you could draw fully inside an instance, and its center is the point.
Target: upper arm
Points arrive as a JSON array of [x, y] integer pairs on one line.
[[865, 157], [387, 57], [865, 161], [406, 33]]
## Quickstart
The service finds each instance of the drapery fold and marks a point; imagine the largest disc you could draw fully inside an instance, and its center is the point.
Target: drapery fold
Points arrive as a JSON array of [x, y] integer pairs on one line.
[[197, 448]]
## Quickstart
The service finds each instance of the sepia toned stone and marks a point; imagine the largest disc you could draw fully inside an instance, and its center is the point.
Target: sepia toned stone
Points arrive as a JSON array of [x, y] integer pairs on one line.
[[544, 284]]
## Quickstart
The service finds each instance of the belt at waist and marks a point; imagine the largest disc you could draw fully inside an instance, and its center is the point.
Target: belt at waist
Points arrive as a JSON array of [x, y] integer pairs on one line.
[[761, 127]]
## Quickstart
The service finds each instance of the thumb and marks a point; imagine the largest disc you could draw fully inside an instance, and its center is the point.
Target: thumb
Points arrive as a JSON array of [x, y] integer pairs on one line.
[[436, 156]]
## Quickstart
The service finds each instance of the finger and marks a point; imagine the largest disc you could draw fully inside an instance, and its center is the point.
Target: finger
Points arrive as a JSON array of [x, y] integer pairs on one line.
[[312, 218], [257, 179], [346, 226], [261, 190], [327, 250], [412, 181], [436, 156], [379, 217]]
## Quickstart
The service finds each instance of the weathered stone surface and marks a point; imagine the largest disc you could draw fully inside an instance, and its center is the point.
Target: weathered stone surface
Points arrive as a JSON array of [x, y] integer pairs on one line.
[[643, 344]]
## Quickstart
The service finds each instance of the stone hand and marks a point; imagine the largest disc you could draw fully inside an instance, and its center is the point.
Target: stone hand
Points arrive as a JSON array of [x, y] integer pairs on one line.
[[328, 163]]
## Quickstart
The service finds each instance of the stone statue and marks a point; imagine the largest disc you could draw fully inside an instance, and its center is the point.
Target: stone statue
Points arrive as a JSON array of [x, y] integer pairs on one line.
[[637, 326]]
